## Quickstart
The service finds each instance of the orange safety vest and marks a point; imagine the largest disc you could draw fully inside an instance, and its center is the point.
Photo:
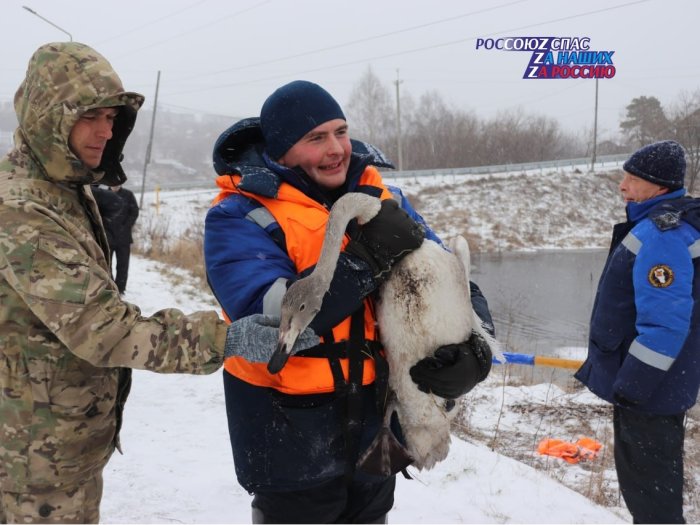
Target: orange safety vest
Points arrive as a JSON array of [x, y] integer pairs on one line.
[[303, 221]]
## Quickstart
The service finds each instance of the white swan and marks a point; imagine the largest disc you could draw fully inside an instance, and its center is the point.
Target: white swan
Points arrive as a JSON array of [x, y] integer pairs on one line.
[[425, 303]]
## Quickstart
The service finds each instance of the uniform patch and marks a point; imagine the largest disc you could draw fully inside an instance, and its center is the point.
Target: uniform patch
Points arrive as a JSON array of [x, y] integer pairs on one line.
[[660, 276]]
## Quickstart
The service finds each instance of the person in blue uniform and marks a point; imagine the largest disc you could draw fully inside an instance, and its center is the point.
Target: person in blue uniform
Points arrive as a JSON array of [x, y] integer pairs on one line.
[[644, 342]]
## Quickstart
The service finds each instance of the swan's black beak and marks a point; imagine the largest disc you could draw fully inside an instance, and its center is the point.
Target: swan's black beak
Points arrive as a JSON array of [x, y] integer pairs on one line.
[[279, 358]]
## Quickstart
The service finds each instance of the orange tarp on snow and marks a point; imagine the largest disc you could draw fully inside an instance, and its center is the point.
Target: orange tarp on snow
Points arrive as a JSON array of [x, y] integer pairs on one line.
[[584, 449]]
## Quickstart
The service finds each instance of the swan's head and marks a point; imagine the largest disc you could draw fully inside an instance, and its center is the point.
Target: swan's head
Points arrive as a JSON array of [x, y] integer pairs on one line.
[[300, 304]]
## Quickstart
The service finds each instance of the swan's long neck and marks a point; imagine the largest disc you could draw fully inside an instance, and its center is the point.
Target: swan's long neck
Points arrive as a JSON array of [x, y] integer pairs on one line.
[[338, 220], [346, 208]]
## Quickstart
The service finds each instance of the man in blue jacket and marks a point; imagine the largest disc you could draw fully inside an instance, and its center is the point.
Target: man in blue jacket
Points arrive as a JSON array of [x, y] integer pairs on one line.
[[296, 435], [644, 342]]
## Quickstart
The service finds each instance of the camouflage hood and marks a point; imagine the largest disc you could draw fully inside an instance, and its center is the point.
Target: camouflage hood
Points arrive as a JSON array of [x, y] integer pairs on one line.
[[63, 81]]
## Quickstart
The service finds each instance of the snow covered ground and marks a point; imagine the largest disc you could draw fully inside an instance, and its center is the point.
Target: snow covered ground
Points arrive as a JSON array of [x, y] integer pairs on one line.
[[177, 465]]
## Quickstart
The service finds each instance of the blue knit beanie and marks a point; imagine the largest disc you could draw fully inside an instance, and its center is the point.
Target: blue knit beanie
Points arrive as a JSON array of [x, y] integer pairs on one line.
[[292, 111], [662, 163]]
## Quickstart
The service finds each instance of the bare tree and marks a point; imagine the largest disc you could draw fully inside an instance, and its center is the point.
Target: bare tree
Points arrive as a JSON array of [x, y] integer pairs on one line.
[[685, 118], [370, 110], [549, 141], [438, 136], [514, 136]]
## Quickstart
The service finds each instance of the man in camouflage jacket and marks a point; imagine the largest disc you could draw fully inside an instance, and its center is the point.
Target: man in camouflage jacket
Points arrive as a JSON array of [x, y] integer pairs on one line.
[[67, 340]]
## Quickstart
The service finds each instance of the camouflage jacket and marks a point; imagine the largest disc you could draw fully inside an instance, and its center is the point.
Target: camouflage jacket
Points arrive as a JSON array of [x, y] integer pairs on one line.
[[67, 340]]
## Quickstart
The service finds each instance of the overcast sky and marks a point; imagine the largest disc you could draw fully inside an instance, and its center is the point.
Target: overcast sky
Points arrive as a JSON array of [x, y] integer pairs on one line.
[[226, 56]]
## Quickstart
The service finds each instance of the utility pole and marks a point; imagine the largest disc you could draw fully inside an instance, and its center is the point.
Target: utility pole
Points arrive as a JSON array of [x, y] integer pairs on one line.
[[595, 127], [398, 122], [150, 142]]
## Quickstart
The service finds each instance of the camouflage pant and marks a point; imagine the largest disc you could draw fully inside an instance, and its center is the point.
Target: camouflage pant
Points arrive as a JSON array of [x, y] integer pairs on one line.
[[79, 503]]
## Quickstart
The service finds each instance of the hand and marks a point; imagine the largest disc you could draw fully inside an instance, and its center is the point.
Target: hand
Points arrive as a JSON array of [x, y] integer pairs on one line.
[[387, 238], [454, 369], [255, 338]]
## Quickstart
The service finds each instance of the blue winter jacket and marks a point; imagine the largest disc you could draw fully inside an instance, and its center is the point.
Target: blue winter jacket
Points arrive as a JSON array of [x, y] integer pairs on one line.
[[286, 442], [233, 240], [644, 341]]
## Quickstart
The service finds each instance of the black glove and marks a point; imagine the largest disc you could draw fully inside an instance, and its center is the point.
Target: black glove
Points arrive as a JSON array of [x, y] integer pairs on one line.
[[387, 238], [455, 369]]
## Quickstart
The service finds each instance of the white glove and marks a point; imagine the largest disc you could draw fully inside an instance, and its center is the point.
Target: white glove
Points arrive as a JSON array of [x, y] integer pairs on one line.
[[255, 338]]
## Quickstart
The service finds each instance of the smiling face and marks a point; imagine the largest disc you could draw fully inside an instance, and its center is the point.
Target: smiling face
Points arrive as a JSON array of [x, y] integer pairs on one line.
[[323, 153], [90, 135], [636, 189]]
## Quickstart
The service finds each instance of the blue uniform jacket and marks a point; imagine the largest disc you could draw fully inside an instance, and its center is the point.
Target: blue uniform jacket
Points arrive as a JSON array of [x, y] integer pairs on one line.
[[644, 341]]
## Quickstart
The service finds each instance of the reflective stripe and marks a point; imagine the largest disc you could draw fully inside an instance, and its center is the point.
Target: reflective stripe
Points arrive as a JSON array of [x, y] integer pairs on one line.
[[272, 302], [651, 358], [694, 249], [632, 243], [260, 216]]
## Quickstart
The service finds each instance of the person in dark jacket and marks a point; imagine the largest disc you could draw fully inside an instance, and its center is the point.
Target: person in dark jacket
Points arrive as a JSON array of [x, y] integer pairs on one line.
[[122, 231], [644, 343], [111, 212], [296, 435]]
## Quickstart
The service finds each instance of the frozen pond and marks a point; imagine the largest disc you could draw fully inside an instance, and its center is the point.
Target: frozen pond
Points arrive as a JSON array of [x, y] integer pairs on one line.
[[541, 301]]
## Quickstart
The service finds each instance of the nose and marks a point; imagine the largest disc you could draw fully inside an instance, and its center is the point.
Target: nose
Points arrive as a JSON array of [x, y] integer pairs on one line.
[[623, 184], [104, 128], [335, 147]]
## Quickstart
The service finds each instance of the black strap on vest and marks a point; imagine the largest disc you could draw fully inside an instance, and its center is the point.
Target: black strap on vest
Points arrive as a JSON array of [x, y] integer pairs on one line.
[[353, 422], [356, 350], [336, 351], [351, 389]]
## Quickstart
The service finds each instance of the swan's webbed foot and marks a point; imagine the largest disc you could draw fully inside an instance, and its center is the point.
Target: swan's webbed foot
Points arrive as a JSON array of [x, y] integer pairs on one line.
[[385, 456]]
